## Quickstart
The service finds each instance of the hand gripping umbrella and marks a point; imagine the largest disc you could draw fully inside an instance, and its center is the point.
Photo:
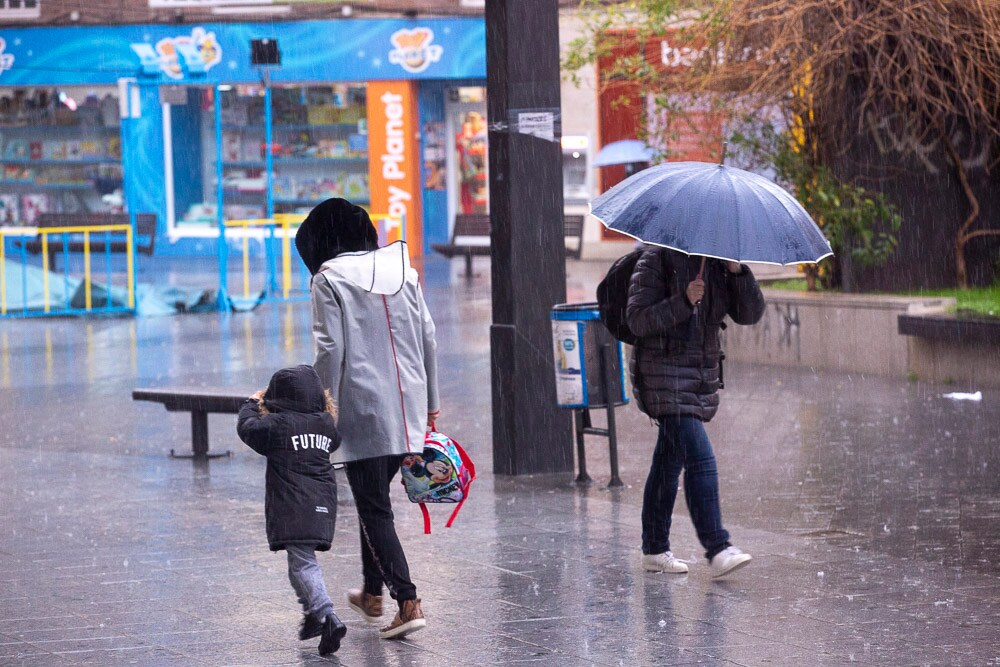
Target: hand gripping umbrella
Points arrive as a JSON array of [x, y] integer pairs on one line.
[[713, 210]]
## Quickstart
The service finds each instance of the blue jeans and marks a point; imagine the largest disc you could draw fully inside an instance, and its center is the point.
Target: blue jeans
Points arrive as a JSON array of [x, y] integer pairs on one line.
[[682, 444]]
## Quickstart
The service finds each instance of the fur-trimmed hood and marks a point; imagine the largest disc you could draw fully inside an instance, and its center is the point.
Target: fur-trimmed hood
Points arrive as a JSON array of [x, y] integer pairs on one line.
[[296, 389]]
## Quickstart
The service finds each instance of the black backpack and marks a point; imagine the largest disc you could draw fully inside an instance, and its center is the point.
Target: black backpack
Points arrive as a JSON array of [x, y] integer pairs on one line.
[[612, 297]]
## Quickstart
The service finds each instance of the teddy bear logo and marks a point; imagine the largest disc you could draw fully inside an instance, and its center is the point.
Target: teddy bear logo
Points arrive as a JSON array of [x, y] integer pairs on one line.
[[414, 50]]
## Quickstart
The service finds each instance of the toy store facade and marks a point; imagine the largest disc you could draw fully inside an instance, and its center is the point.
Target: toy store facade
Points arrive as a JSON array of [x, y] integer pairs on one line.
[[254, 120]]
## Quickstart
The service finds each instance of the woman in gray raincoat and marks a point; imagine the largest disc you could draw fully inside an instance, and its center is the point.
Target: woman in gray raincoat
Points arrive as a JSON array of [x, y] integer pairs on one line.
[[375, 352]]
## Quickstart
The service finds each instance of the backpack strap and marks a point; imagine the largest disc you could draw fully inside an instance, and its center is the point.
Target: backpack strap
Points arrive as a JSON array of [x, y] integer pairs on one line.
[[471, 467], [427, 519]]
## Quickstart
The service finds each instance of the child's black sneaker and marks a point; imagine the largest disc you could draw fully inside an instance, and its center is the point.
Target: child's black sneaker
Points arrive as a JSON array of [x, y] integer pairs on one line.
[[333, 631], [312, 626]]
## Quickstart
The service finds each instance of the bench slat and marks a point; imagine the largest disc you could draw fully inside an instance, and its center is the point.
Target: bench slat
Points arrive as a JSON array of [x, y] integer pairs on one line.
[[226, 401], [471, 237]]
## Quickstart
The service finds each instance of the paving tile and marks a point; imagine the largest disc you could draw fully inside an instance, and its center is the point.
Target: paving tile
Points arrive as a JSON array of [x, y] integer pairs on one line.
[[847, 492]]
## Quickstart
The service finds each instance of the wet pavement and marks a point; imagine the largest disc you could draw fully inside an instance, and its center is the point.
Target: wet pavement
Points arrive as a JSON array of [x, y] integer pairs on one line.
[[872, 509]]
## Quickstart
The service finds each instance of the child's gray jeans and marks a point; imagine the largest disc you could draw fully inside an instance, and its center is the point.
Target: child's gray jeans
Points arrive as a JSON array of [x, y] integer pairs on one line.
[[307, 580]]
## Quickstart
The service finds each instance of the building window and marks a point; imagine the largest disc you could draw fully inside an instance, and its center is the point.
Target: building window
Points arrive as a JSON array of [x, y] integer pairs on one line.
[[20, 9]]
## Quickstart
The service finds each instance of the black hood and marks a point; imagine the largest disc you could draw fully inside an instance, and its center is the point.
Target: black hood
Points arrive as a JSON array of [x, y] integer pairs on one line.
[[333, 227], [295, 389]]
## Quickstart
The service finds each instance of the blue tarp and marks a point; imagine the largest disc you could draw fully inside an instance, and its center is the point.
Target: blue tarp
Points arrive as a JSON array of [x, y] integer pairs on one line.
[[25, 287]]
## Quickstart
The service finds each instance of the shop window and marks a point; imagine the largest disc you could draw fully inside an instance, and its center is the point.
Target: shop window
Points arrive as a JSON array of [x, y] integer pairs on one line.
[[471, 146], [468, 94], [319, 150], [60, 152], [20, 9]]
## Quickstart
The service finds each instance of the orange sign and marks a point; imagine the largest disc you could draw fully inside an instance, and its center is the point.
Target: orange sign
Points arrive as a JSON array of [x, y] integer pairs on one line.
[[393, 159]]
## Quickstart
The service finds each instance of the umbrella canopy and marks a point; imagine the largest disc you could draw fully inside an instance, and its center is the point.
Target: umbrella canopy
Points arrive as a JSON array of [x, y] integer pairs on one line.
[[624, 152], [713, 210]]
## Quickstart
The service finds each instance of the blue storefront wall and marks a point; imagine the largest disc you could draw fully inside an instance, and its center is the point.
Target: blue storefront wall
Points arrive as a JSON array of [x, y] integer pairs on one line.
[[438, 53]]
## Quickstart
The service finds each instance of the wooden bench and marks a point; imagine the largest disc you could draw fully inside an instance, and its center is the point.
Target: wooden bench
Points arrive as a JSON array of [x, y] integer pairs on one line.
[[199, 402], [471, 238], [145, 234]]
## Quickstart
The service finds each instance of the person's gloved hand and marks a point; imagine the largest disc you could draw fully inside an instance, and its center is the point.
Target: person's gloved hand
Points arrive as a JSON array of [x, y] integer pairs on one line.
[[695, 291]]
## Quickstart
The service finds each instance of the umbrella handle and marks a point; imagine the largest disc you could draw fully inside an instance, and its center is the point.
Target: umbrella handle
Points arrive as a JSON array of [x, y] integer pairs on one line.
[[692, 323]]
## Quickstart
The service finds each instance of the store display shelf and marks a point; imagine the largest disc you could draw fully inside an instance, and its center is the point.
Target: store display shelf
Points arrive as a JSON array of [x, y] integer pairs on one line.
[[54, 162], [252, 164], [321, 160], [233, 192], [313, 202], [344, 127], [259, 164], [33, 185], [90, 129]]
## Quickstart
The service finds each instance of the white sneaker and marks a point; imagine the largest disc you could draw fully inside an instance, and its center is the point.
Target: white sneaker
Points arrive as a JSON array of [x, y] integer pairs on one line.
[[728, 560], [664, 562]]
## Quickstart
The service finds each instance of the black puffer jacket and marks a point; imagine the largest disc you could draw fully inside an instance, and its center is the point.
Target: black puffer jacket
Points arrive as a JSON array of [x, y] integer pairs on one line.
[[675, 367], [297, 433]]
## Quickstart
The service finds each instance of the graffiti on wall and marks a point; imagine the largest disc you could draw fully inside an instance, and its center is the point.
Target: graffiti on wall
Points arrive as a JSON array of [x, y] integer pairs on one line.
[[891, 136], [776, 338]]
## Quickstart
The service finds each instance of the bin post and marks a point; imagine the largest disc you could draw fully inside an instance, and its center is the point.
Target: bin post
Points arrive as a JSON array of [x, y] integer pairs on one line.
[[582, 423], [616, 481]]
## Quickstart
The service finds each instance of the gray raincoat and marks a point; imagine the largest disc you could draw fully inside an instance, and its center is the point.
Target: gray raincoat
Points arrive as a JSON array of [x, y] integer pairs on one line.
[[375, 351]]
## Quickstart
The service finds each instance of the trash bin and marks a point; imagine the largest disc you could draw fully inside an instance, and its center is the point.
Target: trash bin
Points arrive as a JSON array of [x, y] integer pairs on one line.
[[578, 337]]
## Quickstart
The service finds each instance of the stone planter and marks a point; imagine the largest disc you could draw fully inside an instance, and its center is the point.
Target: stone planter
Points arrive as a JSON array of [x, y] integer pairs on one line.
[[960, 350], [854, 333]]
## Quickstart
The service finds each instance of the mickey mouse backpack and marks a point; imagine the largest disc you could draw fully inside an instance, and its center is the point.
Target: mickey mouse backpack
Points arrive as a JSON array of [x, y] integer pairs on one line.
[[442, 473]]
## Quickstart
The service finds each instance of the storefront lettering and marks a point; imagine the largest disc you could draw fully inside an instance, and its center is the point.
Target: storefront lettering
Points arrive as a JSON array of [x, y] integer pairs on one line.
[[675, 57], [393, 172], [397, 201], [672, 56], [395, 143], [394, 158]]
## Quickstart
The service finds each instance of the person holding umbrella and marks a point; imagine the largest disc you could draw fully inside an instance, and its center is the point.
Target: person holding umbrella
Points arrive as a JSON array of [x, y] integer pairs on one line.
[[676, 306], [703, 223]]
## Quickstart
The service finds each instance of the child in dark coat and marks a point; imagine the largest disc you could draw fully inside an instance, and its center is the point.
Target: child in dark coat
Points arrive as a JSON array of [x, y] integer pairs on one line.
[[292, 424]]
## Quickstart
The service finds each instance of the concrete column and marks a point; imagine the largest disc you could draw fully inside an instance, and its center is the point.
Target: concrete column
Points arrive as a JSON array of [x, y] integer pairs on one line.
[[530, 434]]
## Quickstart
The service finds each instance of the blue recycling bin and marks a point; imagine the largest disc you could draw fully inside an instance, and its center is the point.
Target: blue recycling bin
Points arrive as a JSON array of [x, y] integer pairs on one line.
[[578, 337]]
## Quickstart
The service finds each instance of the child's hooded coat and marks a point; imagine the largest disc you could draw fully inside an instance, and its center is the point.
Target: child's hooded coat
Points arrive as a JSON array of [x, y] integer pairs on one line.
[[297, 433]]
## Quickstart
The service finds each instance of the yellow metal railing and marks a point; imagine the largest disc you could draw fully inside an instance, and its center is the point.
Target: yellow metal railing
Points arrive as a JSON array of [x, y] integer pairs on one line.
[[285, 221], [86, 230]]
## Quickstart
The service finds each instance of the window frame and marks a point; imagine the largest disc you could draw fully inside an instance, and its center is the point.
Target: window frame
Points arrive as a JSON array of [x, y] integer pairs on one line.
[[20, 13]]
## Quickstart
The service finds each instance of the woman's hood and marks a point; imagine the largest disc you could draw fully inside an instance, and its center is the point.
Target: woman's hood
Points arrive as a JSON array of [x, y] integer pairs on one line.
[[296, 389], [382, 271], [333, 227]]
